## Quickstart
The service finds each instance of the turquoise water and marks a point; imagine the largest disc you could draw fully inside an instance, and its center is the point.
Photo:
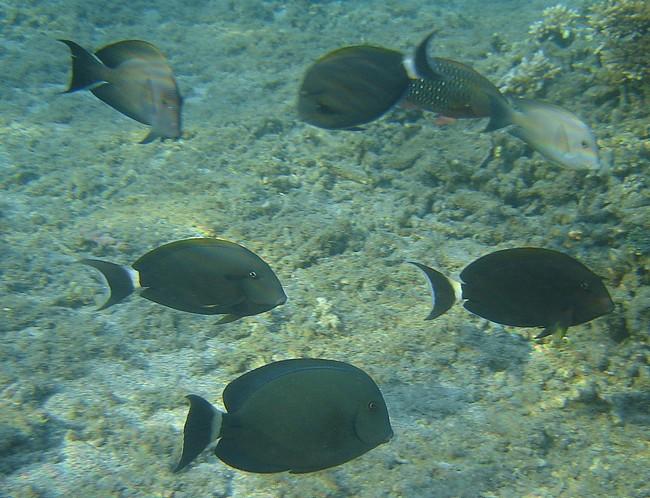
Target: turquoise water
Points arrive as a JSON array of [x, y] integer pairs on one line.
[[92, 402]]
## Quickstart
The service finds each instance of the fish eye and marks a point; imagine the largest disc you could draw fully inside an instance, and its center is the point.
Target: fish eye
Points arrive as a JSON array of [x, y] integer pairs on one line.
[[252, 275], [372, 406], [584, 285], [584, 144]]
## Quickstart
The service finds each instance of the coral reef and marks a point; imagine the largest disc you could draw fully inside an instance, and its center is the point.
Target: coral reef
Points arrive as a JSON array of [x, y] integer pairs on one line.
[[92, 402], [623, 28], [558, 25], [530, 76]]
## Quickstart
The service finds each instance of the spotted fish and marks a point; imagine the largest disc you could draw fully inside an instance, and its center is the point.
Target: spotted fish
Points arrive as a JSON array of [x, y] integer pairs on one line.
[[453, 89]]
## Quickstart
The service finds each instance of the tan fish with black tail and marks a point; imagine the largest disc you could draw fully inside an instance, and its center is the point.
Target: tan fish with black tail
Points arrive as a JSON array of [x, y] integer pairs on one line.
[[453, 89], [133, 77]]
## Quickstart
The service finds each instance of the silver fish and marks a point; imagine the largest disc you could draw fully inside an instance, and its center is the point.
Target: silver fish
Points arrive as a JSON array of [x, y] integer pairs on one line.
[[557, 134]]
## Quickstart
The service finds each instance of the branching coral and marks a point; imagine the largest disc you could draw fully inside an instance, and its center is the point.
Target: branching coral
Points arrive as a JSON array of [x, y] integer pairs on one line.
[[558, 25], [624, 26], [530, 75]]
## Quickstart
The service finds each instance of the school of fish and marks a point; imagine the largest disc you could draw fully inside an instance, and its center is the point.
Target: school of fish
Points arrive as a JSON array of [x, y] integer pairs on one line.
[[307, 414]]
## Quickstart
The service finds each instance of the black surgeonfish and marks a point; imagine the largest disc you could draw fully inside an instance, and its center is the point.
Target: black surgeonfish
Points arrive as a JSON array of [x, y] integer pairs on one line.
[[203, 275], [351, 86], [299, 415], [454, 89], [133, 77], [524, 287]]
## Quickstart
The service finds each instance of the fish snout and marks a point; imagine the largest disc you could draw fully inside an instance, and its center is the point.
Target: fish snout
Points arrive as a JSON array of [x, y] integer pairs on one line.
[[281, 299]]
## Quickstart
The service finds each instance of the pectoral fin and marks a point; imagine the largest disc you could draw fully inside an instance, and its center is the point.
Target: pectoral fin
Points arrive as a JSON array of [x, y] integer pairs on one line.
[[561, 139], [556, 329], [557, 326], [151, 136], [228, 318]]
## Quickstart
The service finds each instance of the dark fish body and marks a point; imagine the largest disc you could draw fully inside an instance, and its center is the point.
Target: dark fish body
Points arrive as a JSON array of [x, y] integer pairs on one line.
[[525, 287], [203, 275], [133, 77], [453, 89], [299, 415], [351, 86]]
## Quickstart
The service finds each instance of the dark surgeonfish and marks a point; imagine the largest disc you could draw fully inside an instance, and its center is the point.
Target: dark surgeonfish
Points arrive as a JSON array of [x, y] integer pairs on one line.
[[453, 89], [351, 86], [524, 287], [299, 415], [133, 77], [203, 275]]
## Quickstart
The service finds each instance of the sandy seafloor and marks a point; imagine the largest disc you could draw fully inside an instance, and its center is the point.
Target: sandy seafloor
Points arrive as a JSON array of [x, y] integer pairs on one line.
[[92, 403]]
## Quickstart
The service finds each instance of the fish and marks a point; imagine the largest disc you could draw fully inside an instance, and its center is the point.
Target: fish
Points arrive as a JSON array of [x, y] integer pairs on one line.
[[206, 276], [133, 77], [351, 86], [298, 415], [523, 287], [556, 133], [453, 89]]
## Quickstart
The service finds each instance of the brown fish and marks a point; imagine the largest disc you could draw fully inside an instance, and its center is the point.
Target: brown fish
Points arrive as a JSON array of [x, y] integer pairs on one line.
[[203, 275], [523, 287], [300, 415], [351, 86], [133, 77], [454, 89]]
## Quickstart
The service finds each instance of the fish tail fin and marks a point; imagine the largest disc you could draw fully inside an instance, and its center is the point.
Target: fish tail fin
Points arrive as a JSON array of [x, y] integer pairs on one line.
[[417, 65], [118, 277], [202, 426], [87, 69], [501, 113], [443, 291]]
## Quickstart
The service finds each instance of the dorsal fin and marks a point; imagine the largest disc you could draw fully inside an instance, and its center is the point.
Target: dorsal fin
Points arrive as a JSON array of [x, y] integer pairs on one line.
[[115, 54]]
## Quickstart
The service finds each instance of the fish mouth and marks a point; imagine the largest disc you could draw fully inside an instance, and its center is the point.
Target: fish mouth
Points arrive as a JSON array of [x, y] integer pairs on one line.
[[389, 436], [281, 300], [278, 302]]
